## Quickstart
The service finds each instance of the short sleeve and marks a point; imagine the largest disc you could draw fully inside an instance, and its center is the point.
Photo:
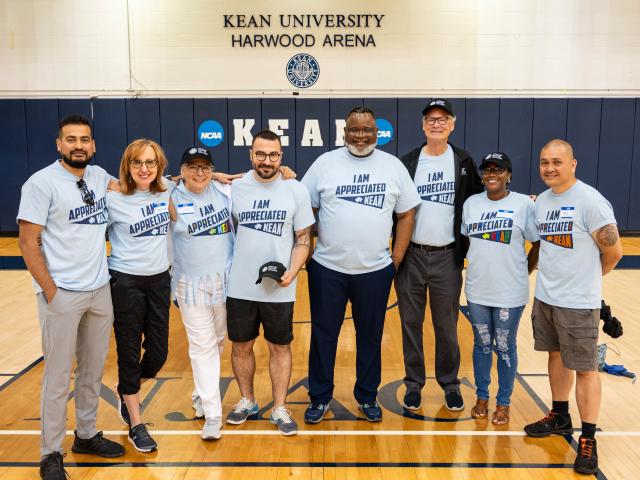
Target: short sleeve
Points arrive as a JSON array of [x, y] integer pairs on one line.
[[310, 180], [34, 203], [598, 214], [530, 230], [408, 197], [303, 216]]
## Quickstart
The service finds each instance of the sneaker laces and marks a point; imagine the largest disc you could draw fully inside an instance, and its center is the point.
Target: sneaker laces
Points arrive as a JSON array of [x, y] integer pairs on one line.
[[243, 404], [551, 416], [317, 406], [370, 405], [281, 413], [586, 447], [141, 430]]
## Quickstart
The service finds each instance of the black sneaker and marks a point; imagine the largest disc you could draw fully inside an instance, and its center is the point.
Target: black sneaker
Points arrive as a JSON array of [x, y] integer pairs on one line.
[[97, 445], [52, 467], [412, 400], [587, 459], [453, 401], [141, 440], [551, 424], [122, 408]]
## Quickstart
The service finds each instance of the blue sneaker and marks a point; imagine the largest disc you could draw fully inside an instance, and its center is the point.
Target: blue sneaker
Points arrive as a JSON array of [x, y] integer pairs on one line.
[[315, 412], [281, 417], [371, 411], [241, 411]]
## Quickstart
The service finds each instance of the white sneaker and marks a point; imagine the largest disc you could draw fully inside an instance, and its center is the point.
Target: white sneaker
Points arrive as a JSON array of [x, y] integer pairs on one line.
[[281, 417], [196, 404], [211, 429]]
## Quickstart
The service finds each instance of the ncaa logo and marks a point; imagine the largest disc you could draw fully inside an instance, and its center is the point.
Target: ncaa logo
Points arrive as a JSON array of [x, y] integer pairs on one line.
[[210, 133], [302, 70], [385, 131]]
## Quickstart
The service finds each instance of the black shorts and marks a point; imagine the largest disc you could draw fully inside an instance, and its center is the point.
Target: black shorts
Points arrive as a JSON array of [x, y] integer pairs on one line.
[[245, 316]]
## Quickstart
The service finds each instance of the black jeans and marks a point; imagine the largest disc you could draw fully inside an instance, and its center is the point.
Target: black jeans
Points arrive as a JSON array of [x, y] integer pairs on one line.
[[140, 309]]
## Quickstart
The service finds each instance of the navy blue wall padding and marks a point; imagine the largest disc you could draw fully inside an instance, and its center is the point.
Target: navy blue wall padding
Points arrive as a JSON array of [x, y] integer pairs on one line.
[[583, 133], [109, 132], [514, 139], [242, 108], [42, 131], [616, 153], [338, 109], [481, 135], [549, 122], [386, 108], [143, 119], [634, 192], [409, 132], [281, 109], [311, 109], [176, 130], [213, 109], [13, 138], [605, 134]]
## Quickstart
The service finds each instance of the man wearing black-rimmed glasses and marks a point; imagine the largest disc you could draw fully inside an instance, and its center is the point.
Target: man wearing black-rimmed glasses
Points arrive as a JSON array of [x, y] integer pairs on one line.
[[444, 176], [62, 219]]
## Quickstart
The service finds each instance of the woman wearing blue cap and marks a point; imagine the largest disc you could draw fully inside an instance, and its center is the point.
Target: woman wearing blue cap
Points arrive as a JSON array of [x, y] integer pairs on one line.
[[496, 223]]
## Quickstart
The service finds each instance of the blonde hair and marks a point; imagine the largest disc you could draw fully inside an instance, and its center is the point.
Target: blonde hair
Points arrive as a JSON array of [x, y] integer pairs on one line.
[[133, 151]]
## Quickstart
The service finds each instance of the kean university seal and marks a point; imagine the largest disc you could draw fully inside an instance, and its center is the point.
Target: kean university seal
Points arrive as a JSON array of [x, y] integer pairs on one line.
[[303, 70]]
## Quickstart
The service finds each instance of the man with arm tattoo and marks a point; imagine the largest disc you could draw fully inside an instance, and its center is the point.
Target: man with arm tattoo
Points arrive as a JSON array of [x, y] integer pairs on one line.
[[579, 244]]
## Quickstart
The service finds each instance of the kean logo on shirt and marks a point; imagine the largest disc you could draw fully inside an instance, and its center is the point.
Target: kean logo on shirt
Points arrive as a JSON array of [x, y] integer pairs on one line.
[[362, 192], [557, 227], [272, 228], [95, 214], [500, 236]]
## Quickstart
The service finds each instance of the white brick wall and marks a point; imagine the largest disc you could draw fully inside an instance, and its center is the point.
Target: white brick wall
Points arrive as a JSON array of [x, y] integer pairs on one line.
[[457, 47]]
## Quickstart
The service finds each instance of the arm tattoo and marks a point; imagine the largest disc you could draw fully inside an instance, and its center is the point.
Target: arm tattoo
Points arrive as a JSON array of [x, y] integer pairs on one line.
[[607, 236], [303, 238]]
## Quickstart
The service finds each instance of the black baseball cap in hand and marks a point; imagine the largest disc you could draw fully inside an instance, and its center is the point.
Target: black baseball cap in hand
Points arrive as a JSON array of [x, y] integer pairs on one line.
[[273, 270]]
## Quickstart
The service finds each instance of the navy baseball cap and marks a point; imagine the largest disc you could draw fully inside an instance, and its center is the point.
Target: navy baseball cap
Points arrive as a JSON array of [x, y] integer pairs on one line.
[[194, 153], [273, 270], [439, 103], [499, 158]]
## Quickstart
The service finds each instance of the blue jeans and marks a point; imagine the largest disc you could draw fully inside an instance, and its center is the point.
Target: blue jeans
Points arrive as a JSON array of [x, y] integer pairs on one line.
[[495, 329]]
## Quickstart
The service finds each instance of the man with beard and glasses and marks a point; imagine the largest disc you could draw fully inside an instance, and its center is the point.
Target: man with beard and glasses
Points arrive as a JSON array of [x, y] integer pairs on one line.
[[355, 190], [444, 176], [63, 207], [273, 218]]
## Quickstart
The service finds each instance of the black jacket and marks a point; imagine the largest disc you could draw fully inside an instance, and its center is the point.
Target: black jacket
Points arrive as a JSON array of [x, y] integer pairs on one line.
[[467, 182]]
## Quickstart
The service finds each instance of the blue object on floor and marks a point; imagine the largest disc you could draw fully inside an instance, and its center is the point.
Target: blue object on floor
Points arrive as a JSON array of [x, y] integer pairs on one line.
[[620, 371]]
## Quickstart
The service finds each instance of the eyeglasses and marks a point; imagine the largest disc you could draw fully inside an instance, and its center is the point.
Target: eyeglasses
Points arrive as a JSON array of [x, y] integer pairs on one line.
[[495, 170], [194, 168], [87, 196], [361, 131], [442, 121], [151, 163], [262, 156]]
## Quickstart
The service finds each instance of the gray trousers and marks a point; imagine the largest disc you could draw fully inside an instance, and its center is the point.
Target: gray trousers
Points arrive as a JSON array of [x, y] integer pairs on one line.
[[74, 324], [435, 272]]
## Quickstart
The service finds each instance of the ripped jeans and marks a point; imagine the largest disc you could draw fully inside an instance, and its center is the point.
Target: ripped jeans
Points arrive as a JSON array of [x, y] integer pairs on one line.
[[495, 330]]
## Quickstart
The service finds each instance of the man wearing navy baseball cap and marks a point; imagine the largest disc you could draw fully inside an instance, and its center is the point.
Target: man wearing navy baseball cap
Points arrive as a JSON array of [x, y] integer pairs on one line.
[[444, 176]]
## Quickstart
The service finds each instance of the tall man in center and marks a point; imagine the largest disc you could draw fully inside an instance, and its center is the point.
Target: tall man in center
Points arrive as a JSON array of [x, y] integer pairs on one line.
[[355, 191], [445, 176], [274, 219]]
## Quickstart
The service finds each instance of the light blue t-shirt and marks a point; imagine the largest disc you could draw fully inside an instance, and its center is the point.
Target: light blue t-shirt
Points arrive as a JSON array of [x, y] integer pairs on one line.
[[202, 241], [73, 238], [138, 229], [435, 181], [497, 271], [569, 268], [356, 197], [267, 215]]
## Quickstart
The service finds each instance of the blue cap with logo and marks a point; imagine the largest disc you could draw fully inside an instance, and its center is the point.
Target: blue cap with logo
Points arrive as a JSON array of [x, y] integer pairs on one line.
[[194, 153], [439, 103], [499, 158]]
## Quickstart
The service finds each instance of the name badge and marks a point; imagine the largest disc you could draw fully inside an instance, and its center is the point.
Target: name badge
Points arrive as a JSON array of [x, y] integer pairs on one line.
[[185, 208], [567, 212], [504, 214], [160, 207]]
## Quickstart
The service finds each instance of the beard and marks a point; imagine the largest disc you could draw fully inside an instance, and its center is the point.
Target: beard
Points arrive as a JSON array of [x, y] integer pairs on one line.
[[81, 164], [364, 151], [266, 174]]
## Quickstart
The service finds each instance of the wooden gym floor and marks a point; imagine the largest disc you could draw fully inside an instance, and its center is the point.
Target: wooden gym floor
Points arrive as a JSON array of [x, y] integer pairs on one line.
[[430, 444]]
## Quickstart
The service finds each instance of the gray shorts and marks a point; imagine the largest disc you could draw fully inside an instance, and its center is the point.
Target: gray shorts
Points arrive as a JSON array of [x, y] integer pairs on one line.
[[571, 331]]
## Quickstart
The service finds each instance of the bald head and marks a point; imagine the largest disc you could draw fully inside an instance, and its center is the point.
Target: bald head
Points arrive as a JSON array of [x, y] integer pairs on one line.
[[559, 144]]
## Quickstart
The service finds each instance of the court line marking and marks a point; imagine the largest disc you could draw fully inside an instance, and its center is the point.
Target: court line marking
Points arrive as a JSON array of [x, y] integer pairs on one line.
[[343, 433]]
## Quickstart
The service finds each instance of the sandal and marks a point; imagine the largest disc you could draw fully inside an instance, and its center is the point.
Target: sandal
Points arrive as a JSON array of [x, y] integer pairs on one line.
[[479, 410], [501, 415]]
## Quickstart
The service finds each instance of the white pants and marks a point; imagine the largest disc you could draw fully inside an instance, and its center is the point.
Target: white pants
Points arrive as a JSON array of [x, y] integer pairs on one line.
[[206, 327]]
